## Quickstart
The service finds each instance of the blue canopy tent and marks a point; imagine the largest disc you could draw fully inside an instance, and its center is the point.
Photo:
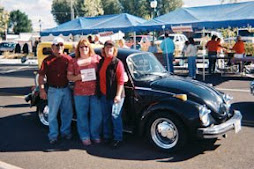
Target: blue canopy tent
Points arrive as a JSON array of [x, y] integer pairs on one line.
[[85, 25], [215, 16]]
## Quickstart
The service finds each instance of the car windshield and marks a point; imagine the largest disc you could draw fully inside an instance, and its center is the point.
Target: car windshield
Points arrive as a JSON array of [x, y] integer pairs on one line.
[[145, 66], [245, 33]]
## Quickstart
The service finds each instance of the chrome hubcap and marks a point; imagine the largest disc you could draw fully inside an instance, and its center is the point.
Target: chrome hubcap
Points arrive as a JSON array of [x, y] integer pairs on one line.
[[164, 133]]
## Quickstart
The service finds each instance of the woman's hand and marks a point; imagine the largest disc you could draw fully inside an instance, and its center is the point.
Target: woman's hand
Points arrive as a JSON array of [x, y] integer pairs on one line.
[[117, 99]]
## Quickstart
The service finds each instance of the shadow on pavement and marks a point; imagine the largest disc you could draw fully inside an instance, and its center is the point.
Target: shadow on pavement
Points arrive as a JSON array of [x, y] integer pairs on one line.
[[23, 132], [246, 108], [15, 91]]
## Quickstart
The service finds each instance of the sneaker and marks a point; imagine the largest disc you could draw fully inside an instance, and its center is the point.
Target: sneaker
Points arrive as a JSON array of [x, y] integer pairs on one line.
[[53, 141], [97, 141], [86, 142], [116, 144]]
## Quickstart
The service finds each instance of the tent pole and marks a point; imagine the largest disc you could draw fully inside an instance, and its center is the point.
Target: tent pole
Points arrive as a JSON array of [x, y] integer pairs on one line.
[[203, 53]]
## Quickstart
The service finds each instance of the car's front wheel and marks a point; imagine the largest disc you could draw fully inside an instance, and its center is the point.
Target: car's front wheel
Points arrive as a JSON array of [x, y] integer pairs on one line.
[[166, 132], [43, 112]]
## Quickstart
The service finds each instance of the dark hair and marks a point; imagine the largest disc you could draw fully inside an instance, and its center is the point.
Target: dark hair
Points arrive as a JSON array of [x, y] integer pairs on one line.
[[214, 37], [191, 40], [166, 35]]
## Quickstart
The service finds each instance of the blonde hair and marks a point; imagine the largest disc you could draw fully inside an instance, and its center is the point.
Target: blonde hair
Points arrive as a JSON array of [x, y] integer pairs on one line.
[[104, 54], [84, 41]]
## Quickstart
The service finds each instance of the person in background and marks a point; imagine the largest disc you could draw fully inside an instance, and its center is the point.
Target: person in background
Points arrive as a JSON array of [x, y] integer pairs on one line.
[[212, 48], [167, 46], [54, 68], [25, 49], [239, 49], [111, 73], [186, 43], [82, 70], [191, 53], [153, 48], [90, 39], [17, 48], [121, 44]]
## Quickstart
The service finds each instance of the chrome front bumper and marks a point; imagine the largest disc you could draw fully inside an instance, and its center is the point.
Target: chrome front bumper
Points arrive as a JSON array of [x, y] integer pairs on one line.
[[234, 123]]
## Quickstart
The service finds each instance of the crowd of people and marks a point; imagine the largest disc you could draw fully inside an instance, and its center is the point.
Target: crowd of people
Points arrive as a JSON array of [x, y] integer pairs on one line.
[[98, 92]]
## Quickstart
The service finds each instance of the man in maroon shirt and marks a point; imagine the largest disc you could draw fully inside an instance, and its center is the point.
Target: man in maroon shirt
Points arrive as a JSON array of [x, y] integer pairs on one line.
[[54, 68]]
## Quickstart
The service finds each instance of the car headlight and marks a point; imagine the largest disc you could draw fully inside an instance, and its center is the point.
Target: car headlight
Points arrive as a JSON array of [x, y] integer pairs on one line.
[[204, 115], [227, 98]]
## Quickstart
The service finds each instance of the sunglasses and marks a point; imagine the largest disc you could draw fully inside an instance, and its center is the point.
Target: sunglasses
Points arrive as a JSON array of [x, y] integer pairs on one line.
[[59, 44], [81, 47]]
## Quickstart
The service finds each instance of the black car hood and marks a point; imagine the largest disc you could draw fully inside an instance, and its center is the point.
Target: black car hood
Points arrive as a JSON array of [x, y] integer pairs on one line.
[[196, 91]]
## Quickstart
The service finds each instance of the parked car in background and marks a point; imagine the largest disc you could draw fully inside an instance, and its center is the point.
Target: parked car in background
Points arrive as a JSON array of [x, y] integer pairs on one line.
[[167, 109], [143, 42], [247, 34], [178, 39], [7, 47]]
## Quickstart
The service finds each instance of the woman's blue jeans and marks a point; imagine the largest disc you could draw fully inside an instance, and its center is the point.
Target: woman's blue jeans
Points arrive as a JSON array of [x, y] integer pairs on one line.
[[89, 125], [112, 124], [192, 66], [59, 99]]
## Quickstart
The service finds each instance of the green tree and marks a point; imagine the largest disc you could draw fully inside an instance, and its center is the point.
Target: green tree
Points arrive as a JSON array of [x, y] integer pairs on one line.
[[4, 18], [19, 22], [111, 7], [93, 8], [165, 6], [61, 9]]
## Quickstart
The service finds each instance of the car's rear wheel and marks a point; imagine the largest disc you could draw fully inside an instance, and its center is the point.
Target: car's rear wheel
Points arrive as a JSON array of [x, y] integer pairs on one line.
[[43, 111], [166, 132]]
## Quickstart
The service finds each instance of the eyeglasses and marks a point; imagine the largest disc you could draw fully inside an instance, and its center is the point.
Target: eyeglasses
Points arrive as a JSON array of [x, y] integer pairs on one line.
[[59, 44], [83, 47]]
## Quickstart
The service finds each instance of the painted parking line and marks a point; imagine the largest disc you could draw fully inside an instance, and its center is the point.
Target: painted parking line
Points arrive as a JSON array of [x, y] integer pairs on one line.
[[4, 165], [234, 90], [13, 70]]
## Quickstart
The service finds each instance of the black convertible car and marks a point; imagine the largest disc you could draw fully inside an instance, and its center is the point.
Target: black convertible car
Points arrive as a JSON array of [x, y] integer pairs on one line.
[[168, 109]]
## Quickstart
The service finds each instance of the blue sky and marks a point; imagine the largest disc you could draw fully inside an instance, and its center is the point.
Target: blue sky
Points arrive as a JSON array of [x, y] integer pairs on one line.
[[40, 9]]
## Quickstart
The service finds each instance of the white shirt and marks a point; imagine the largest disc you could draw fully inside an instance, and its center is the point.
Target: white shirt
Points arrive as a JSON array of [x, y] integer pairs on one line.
[[191, 50]]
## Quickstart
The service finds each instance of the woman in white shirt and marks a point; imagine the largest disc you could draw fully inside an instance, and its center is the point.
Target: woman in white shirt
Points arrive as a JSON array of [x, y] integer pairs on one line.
[[191, 53]]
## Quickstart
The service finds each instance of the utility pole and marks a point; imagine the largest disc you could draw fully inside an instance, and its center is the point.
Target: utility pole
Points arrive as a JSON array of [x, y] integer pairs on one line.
[[72, 10]]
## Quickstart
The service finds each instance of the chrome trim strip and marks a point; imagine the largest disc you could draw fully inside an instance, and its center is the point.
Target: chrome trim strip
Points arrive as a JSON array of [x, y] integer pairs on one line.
[[150, 89]]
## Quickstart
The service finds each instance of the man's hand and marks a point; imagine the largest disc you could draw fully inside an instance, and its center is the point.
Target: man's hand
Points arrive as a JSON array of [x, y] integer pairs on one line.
[[43, 94]]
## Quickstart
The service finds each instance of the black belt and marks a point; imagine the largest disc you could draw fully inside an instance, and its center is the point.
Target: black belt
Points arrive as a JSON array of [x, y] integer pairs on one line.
[[58, 87]]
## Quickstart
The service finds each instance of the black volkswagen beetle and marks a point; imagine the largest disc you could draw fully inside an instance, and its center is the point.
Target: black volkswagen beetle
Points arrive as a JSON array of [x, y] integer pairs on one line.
[[168, 109]]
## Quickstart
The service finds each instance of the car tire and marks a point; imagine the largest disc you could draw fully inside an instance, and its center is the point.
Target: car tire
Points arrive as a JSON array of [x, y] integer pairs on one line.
[[42, 111], [166, 132]]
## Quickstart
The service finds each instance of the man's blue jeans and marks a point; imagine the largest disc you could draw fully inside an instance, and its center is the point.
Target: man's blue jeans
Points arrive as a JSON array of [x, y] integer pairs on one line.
[[88, 128], [110, 121], [169, 61], [192, 66], [59, 99]]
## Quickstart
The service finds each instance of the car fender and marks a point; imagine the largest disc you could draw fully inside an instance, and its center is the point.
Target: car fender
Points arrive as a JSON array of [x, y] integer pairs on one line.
[[186, 111]]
